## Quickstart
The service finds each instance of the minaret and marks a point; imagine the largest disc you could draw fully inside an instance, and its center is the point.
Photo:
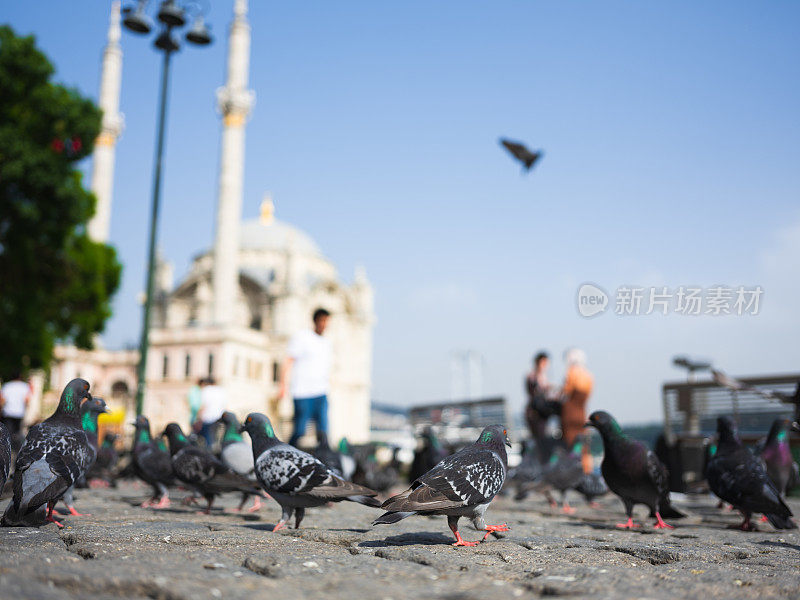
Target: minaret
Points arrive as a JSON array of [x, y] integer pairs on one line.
[[103, 156], [234, 102]]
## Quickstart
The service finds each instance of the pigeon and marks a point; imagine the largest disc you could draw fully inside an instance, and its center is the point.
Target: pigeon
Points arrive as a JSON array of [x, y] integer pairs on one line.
[[633, 472], [295, 479], [564, 472], [428, 456], [777, 455], [592, 486], [55, 454], [102, 472], [376, 477], [327, 456], [237, 456], [152, 464], [202, 471], [462, 485], [740, 478], [527, 157], [90, 411], [528, 473], [5, 454]]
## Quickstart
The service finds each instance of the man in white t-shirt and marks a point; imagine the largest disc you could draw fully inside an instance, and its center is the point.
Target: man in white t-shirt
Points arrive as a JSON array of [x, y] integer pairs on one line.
[[15, 395], [213, 401], [308, 366]]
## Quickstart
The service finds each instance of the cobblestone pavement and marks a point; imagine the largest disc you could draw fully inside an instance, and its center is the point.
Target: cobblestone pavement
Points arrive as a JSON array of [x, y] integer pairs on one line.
[[123, 551]]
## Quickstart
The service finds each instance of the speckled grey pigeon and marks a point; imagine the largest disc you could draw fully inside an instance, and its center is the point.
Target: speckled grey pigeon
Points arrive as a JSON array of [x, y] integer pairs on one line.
[[90, 411], [237, 455], [739, 477], [152, 464], [5, 454], [55, 454], [295, 479], [462, 485], [202, 471], [633, 472]]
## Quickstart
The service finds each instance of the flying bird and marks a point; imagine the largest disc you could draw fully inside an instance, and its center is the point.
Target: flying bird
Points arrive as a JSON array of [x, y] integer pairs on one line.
[[152, 464], [90, 411], [295, 479], [740, 478], [528, 158], [462, 485], [237, 456], [202, 471], [55, 454], [633, 472]]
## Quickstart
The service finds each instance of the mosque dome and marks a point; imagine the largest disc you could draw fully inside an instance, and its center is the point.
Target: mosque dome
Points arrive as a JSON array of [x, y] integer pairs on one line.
[[268, 233]]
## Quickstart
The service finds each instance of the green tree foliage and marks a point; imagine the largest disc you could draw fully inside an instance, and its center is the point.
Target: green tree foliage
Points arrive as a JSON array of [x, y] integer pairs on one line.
[[55, 282]]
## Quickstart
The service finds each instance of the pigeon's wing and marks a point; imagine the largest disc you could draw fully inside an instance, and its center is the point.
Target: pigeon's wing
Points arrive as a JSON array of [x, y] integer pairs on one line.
[[467, 478], [290, 471], [657, 472], [519, 151], [196, 467]]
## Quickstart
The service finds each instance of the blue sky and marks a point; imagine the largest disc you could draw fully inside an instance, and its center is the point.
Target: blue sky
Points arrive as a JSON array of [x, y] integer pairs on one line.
[[670, 132]]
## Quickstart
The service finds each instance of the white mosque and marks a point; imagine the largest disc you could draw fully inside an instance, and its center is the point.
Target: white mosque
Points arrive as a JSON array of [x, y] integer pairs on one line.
[[233, 313]]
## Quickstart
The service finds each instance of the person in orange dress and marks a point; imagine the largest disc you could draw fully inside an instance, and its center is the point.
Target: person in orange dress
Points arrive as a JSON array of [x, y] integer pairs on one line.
[[577, 388]]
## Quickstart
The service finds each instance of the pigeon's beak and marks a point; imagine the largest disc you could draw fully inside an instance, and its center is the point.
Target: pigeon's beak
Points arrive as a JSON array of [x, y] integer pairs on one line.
[[796, 426], [588, 424], [241, 429], [508, 443]]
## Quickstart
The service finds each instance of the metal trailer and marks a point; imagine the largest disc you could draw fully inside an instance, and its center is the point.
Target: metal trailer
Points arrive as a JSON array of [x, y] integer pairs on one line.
[[691, 410]]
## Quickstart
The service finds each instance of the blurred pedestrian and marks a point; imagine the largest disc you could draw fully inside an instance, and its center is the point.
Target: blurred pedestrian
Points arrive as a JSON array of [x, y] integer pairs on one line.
[[540, 405], [578, 384], [307, 366], [194, 401], [15, 396], [213, 402]]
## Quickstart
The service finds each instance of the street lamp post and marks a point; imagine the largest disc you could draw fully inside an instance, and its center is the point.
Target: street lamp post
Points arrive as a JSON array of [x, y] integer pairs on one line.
[[172, 16]]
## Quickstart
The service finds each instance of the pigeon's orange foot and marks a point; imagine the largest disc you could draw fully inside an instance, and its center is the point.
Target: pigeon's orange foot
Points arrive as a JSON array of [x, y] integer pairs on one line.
[[278, 526], [660, 524], [594, 505], [256, 505], [462, 542], [98, 483], [52, 520], [75, 513], [494, 528], [146, 503], [162, 503], [189, 500], [629, 525], [567, 509], [764, 518], [233, 510], [205, 511]]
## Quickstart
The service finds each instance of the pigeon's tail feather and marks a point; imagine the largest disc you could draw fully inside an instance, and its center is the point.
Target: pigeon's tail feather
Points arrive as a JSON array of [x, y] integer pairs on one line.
[[16, 518], [392, 517], [365, 500], [781, 522]]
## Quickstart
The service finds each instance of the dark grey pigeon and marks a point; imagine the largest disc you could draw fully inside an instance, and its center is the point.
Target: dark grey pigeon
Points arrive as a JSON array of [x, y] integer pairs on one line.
[[151, 464], [633, 472], [5, 455], [202, 471], [462, 485], [101, 474], [55, 454], [90, 411], [592, 486], [237, 455], [739, 478], [295, 479], [527, 475]]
